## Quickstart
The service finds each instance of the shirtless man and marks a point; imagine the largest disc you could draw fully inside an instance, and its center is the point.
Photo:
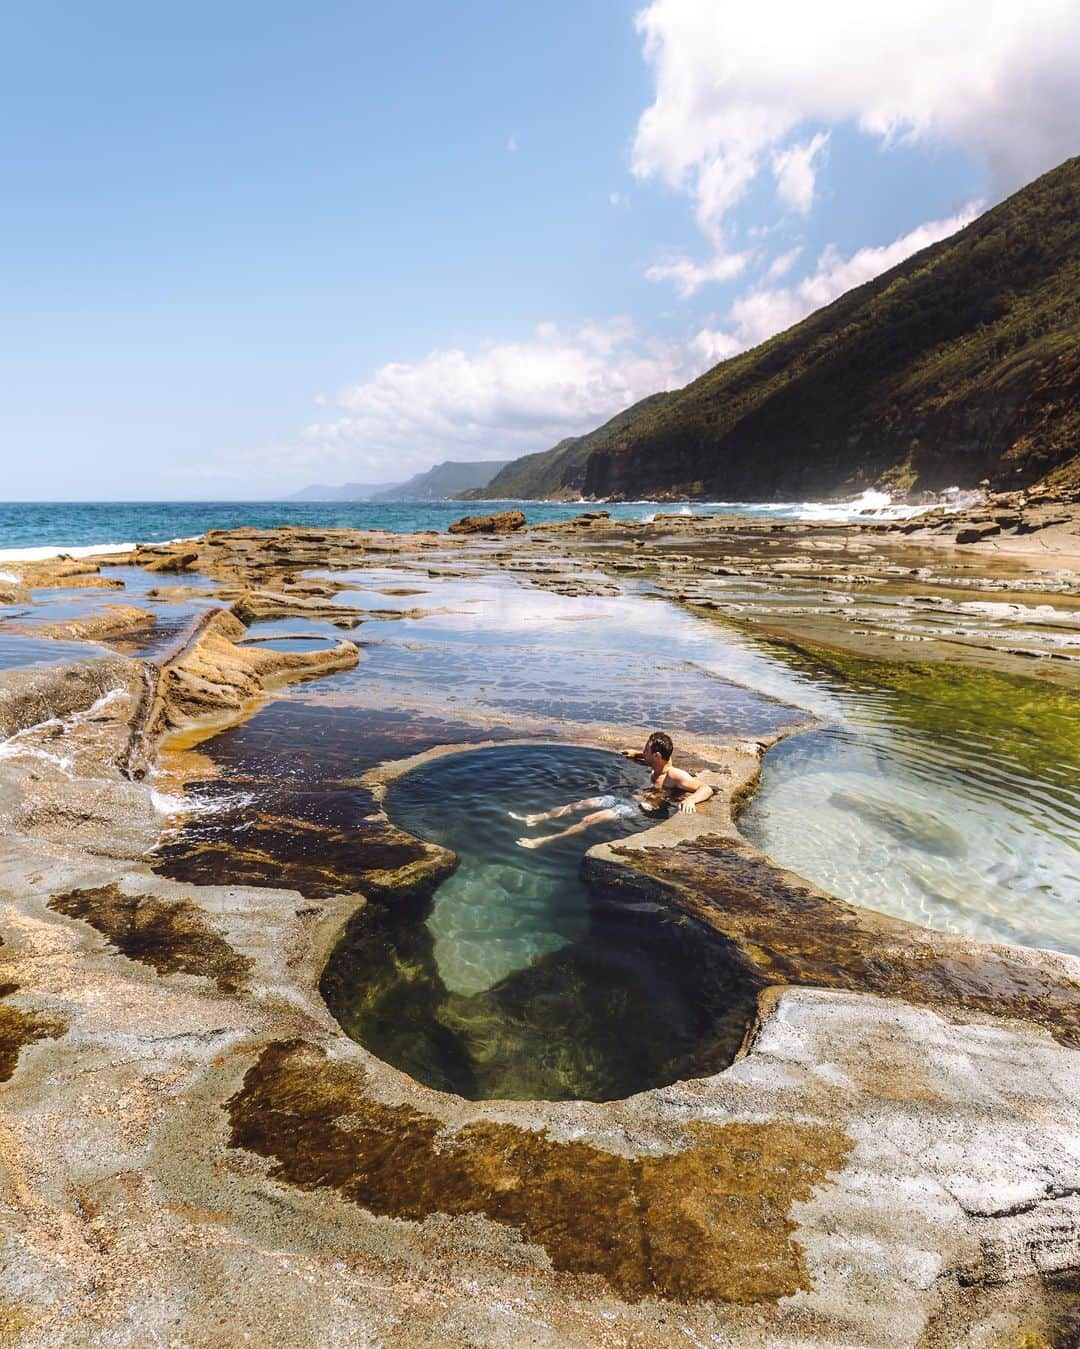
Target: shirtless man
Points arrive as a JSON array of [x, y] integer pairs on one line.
[[669, 786]]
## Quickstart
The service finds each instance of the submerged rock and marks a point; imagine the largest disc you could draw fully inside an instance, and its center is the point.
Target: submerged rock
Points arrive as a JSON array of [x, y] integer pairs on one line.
[[916, 827]]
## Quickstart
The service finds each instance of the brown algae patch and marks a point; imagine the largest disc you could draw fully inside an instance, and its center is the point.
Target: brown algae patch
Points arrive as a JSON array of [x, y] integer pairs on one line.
[[710, 1222], [18, 1029], [171, 937], [788, 932], [287, 852]]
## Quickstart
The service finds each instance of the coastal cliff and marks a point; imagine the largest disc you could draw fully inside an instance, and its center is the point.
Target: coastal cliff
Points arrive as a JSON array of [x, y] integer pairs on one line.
[[560, 472], [959, 365]]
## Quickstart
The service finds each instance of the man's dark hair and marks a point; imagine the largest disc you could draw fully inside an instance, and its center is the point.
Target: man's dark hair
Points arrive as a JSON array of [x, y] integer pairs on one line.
[[659, 743]]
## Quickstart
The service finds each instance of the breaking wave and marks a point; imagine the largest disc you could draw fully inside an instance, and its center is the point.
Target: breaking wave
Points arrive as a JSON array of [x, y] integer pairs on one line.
[[869, 505], [880, 506]]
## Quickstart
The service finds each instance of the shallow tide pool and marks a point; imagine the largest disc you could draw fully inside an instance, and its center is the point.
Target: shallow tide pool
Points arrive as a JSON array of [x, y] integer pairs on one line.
[[941, 794], [936, 793]]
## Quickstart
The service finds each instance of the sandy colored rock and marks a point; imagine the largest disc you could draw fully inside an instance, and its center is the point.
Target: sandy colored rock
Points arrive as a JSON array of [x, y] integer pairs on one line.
[[111, 621], [195, 1153], [505, 522]]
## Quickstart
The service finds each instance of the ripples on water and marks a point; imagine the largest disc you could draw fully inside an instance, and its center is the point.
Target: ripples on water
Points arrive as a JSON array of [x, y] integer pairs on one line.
[[507, 905], [951, 799], [494, 643], [18, 652], [41, 526], [948, 798]]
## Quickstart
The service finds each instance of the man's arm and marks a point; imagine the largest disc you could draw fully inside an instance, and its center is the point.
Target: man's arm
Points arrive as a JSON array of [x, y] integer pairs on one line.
[[699, 791], [634, 754]]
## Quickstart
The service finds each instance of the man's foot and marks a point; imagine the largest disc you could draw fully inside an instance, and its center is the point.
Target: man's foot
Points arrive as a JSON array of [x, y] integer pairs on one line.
[[529, 842], [522, 819]]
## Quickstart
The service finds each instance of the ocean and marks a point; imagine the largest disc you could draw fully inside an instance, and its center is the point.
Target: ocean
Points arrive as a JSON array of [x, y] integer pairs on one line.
[[31, 530]]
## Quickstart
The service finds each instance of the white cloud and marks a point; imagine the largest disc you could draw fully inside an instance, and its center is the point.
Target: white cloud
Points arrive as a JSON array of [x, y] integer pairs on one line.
[[508, 399], [782, 264], [711, 346], [513, 142], [618, 199], [796, 174], [760, 313], [688, 275], [735, 84], [511, 398]]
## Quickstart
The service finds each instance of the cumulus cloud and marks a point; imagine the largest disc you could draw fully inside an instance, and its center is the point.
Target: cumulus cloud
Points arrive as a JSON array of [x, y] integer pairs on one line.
[[511, 398], [738, 88], [796, 174], [783, 263], [761, 313], [711, 346], [689, 275], [508, 399]]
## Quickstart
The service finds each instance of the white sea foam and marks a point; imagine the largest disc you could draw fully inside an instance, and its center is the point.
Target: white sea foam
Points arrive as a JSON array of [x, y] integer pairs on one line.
[[167, 804], [20, 744], [870, 505], [49, 550], [14, 748]]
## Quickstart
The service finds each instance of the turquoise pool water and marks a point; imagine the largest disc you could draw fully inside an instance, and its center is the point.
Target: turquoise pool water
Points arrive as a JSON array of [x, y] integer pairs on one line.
[[514, 979]]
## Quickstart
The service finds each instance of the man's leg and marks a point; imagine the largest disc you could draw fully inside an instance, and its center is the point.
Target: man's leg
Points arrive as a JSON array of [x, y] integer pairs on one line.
[[587, 803], [596, 817]]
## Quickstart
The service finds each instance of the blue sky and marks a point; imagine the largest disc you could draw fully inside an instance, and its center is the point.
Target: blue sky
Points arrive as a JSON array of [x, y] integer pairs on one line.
[[248, 247]]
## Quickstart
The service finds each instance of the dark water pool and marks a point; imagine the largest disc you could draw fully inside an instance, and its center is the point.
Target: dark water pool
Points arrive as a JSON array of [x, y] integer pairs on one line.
[[514, 979], [289, 642]]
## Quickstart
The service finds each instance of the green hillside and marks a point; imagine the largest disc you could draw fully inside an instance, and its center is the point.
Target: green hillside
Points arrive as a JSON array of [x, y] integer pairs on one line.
[[559, 472], [443, 480], [962, 363]]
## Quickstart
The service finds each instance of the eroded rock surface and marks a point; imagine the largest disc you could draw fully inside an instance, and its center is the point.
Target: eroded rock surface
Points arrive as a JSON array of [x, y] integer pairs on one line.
[[195, 1152], [505, 522]]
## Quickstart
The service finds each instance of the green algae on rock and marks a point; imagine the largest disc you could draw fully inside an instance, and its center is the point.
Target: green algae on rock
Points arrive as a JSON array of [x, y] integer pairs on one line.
[[1034, 721]]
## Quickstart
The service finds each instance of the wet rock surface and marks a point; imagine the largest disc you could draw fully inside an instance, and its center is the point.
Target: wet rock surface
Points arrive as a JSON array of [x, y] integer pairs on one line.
[[786, 932], [171, 937], [709, 1221], [195, 1151]]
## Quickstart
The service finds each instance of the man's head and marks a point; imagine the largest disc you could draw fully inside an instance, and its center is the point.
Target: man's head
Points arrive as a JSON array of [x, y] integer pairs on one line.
[[658, 747]]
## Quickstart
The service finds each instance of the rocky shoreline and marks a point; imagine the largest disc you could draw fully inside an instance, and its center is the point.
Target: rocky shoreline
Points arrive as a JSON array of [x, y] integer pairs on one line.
[[195, 1152]]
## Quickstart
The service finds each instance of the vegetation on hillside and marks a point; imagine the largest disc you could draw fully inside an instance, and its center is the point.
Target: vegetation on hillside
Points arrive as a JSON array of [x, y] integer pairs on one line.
[[443, 480], [559, 472], [960, 364]]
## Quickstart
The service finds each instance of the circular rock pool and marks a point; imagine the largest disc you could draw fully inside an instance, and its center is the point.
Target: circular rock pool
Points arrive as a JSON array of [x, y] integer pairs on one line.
[[514, 978]]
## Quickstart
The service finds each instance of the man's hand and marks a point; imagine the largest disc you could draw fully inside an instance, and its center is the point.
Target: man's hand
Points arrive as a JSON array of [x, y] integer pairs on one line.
[[703, 792]]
